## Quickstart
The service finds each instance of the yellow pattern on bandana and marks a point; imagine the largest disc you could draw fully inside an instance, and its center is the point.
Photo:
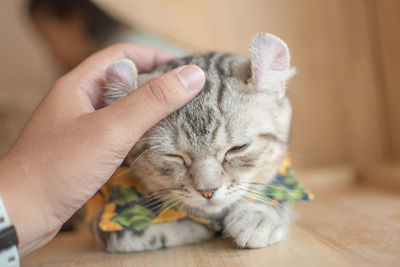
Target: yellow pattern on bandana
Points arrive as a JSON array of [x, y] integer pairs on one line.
[[129, 205]]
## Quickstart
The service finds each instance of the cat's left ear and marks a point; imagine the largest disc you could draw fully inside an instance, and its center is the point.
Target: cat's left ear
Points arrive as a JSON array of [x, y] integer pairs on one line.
[[121, 80], [270, 64]]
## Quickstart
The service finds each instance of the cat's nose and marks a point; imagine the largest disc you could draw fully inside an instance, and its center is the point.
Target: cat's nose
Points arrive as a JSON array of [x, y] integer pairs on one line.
[[207, 194]]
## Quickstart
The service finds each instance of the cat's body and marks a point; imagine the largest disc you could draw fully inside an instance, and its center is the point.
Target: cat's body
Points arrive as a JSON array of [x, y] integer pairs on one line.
[[213, 153]]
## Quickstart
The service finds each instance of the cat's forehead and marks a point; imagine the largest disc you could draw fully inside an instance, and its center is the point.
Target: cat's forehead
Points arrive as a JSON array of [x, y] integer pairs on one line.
[[218, 63], [223, 109], [201, 118]]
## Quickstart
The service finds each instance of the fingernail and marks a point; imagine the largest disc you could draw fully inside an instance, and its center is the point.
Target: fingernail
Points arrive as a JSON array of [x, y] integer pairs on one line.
[[192, 77]]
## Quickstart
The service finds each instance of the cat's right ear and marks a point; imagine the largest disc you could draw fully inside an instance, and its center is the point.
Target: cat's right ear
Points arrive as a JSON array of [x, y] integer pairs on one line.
[[270, 64], [121, 79]]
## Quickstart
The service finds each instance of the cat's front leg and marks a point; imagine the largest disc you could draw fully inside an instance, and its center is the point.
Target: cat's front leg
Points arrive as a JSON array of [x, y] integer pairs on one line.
[[257, 225], [156, 236]]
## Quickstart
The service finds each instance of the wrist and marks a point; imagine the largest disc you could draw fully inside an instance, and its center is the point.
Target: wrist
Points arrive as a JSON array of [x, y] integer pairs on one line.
[[23, 197], [8, 240]]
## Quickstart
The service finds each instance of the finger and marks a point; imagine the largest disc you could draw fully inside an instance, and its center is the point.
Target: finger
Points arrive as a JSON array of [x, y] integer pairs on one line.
[[156, 99], [87, 79]]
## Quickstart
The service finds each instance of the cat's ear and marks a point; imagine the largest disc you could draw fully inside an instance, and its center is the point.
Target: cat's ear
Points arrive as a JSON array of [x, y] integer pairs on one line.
[[121, 79], [270, 64]]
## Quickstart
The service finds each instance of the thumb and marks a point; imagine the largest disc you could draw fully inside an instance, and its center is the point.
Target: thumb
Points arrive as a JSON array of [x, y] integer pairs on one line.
[[157, 98]]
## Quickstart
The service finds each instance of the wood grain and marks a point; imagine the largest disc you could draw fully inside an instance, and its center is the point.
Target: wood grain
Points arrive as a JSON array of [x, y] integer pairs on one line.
[[353, 227]]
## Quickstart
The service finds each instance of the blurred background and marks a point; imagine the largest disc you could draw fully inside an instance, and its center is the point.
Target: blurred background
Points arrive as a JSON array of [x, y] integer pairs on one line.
[[345, 94]]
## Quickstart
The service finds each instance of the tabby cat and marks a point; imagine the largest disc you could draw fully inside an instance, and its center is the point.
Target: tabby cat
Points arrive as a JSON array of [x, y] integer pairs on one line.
[[209, 159]]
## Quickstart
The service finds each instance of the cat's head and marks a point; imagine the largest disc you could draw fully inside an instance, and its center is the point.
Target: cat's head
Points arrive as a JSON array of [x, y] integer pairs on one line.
[[232, 136]]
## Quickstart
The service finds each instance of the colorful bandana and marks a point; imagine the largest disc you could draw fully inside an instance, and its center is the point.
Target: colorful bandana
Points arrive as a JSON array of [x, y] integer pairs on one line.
[[129, 206]]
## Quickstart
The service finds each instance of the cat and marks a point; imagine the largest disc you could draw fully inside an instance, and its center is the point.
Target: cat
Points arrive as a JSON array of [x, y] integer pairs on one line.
[[210, 155]]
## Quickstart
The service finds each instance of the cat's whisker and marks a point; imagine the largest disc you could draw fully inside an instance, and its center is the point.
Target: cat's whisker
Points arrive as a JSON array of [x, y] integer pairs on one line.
[[147, 150], [288, 192], [158, 194], [166, 203], [148, 201], [169, 206], [161, 191], [172, 203], [265, 199], [130, 167], [157, 207], [151, 198], [165, 199], [179, 206], [272, 186]]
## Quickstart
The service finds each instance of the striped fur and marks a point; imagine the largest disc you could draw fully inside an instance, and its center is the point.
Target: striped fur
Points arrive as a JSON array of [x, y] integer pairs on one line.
[[233, 133]]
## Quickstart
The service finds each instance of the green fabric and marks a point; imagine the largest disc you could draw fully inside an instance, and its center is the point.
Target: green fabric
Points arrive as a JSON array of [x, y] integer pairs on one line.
[[130, 207]]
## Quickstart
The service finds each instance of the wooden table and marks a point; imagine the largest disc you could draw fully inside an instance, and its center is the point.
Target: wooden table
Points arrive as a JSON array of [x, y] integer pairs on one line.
[[348, 225]]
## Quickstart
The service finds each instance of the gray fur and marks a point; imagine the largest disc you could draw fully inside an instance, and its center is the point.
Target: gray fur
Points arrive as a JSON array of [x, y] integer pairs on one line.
[[242, 103]]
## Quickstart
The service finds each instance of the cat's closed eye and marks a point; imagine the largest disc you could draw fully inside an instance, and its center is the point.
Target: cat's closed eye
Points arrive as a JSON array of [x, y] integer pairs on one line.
[[177, 158], [237, 149]]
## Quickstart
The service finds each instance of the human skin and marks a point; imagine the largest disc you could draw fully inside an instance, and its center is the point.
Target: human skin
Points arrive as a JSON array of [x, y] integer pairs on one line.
[[71, 146]]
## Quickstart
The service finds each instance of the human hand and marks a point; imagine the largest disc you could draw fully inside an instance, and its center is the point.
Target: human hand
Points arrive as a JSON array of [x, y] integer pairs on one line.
[[69, 147]]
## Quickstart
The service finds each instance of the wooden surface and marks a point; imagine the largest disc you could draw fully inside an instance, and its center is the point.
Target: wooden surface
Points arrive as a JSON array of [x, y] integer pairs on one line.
[[350, 226], [383, 175]]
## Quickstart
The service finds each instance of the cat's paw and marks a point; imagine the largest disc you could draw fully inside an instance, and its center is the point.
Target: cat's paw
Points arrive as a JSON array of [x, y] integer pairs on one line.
[[157, 236], [255, 225]]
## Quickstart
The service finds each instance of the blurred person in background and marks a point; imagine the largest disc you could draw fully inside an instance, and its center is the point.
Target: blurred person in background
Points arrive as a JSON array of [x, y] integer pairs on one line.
[[74, 29]]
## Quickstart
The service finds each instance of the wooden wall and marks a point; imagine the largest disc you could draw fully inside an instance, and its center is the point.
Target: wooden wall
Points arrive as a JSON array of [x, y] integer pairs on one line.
[[346, 53], [388, 47], [346, 91], [26, 71]]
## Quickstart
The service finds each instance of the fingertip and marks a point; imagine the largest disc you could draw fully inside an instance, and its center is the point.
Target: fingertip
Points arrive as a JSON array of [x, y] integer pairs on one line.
[[192, 78]]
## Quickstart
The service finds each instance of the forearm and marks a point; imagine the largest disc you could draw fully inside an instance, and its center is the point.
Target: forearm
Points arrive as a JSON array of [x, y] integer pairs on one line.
[[22, 196]]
